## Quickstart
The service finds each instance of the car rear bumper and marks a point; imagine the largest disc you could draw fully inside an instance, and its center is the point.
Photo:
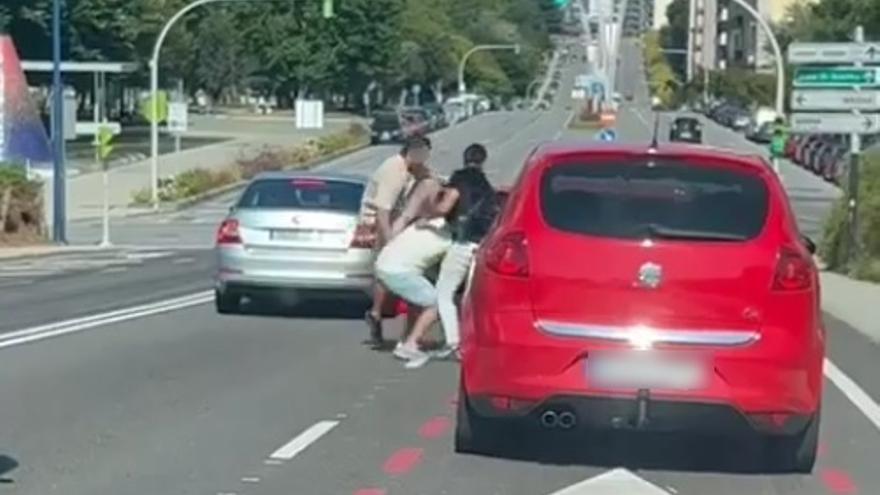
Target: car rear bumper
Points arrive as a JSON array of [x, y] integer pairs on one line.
[[525, 367], [349, 270], [645, 413]]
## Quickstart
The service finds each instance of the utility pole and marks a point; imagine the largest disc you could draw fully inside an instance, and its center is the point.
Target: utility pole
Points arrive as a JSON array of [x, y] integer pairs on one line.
[[59, 182], [855, 142]]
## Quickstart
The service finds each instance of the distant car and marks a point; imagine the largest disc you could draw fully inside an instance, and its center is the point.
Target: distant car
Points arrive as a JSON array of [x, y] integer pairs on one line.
[[686, 129], [386, 127], [679, 320], [294, 232], [762, 133]]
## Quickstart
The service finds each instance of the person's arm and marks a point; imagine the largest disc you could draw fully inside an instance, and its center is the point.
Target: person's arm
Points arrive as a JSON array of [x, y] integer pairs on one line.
[[445, 202], [383, 226], [417, 204]]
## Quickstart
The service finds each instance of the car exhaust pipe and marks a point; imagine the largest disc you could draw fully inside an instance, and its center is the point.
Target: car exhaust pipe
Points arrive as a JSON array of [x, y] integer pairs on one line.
[[567, 420], [549, 419]]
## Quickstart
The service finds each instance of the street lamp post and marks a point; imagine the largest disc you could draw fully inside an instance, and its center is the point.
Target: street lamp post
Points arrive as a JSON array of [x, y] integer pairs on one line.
[[59, 199], [154, 94], [464, 59], [777, 54]]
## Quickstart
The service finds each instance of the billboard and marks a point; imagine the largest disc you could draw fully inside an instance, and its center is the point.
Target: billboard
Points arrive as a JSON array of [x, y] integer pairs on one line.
[[22, 134]]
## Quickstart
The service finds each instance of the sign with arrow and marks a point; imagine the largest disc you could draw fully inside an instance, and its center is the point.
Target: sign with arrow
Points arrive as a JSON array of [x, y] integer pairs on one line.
[[835, 123], [607, 135], [615, 482], [834, 53], [836, 77], [835, 99]]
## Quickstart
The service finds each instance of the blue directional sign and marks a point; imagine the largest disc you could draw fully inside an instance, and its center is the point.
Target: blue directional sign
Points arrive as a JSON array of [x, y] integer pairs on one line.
[[607, 135]]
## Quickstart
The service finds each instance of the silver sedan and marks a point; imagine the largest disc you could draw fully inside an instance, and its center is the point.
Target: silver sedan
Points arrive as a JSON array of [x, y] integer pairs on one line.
[[294, 232]]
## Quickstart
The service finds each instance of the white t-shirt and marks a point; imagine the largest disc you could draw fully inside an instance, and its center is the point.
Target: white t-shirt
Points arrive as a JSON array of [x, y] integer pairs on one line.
[[415, 249]]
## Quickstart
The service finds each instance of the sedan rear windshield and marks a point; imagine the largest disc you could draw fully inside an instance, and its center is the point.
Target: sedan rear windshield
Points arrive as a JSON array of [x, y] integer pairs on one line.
[[664, 199], [309, 194]]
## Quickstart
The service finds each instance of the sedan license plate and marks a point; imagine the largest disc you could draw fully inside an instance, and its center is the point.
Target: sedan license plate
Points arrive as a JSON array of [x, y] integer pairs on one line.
[[296, 235], [385, 136], [646, 370]]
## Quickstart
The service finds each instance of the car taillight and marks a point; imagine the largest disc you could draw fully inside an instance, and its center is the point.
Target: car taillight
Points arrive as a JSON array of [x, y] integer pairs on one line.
[[509, 255], [364, 237], [793, 271], [228, 232]]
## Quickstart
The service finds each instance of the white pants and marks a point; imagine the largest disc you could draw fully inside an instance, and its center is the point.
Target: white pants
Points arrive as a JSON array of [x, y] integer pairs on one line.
[[454, 269]]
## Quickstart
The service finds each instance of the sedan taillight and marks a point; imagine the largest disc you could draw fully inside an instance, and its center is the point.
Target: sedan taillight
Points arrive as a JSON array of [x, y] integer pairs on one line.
[[228, 232]]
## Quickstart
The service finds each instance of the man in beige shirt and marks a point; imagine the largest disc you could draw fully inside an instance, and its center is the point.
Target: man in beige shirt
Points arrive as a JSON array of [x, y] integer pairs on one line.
[[384, 196]]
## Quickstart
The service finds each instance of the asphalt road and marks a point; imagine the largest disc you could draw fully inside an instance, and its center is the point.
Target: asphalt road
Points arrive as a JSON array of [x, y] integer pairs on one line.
[[173, 398]]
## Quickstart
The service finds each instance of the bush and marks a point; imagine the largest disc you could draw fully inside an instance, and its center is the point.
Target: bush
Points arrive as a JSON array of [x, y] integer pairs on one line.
[[198, 181], [21, 206], [835, 239]]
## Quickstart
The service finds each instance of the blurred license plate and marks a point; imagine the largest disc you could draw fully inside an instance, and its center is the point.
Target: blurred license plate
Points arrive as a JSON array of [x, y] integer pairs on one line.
[[635, 370], [296, 235], [686, 134]]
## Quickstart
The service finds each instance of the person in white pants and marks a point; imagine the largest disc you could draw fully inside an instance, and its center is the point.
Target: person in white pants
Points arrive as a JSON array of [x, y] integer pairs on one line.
[[469, 205]]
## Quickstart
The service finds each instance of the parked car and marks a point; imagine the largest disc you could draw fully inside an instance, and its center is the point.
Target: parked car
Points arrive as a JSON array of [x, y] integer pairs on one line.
[[437, 114], [296, 233], [695, 323], [420, 114], [762, 133]]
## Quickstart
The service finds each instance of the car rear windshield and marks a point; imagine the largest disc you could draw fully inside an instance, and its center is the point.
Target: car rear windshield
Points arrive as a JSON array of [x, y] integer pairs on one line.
[[661, 199], [309, 194], [386, 119]]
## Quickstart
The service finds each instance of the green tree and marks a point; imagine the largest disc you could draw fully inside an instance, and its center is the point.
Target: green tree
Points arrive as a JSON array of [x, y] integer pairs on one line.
[[219, 47]]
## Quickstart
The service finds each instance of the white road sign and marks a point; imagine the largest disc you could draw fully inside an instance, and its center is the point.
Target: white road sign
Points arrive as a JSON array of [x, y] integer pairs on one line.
[[178, 117], [835, 123], [835, 99], [834, 53]]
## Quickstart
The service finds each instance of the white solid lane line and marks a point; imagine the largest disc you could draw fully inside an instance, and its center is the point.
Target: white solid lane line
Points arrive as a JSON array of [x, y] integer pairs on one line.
[[299, 443], [853, 392], [41, 332]]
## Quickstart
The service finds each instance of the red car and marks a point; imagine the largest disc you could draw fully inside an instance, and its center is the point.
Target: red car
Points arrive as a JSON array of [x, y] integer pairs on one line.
[[628, 287]]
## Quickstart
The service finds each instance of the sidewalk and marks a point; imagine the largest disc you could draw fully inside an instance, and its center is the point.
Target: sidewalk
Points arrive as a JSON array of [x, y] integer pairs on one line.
[[85, 192]]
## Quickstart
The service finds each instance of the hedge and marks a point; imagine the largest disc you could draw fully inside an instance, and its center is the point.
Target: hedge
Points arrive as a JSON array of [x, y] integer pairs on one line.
[[835, 239], [21, 206]]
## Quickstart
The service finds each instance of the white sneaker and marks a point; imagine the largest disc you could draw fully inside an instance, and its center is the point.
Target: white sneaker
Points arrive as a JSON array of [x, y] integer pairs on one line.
[[405, 353], [447, 352], [417, 361]]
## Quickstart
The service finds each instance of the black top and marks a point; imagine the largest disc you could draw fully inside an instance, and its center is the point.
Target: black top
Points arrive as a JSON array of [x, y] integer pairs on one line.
[[475, 209]]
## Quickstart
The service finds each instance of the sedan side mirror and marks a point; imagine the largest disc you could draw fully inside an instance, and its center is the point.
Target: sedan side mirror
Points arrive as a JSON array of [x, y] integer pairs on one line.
[[809, 244]]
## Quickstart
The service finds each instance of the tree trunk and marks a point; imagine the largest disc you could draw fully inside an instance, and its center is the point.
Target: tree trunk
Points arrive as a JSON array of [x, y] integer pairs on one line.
[[5, 200]]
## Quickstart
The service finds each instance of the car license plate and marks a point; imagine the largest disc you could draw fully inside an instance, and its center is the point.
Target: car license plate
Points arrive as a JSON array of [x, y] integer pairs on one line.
[[296, 235], [385, 136], [646, 370], [686, 134]]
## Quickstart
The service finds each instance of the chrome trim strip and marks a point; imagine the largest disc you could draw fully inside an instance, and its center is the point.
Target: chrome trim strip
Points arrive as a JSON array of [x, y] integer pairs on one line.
[[720, 338]]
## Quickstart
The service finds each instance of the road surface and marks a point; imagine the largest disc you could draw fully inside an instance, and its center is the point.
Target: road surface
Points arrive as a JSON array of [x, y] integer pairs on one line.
[[169, 397]]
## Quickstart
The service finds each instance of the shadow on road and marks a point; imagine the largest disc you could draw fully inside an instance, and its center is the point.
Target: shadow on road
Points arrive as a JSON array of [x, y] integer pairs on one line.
[[7, 464], [318, 308], [654, 451]]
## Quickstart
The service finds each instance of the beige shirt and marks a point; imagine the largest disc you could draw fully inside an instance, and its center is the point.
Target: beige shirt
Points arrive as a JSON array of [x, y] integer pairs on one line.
[[385, 188]]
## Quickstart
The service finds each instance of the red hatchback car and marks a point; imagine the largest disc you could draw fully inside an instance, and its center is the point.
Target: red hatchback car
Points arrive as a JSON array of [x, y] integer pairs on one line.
[[647, 289]]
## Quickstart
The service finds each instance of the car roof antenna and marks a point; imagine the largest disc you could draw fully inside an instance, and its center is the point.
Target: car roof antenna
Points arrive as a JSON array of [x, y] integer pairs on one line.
[[656, 137]]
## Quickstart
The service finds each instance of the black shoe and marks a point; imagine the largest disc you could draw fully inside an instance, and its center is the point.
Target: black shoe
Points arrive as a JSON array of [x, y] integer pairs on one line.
[[375, 325]]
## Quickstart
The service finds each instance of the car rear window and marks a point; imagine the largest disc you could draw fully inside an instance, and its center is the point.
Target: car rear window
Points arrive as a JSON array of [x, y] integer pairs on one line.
[[310, 194], [664, 199]]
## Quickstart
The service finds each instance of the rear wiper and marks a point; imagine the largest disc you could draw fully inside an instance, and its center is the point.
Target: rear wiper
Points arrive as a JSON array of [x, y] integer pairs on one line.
[[655, 231]]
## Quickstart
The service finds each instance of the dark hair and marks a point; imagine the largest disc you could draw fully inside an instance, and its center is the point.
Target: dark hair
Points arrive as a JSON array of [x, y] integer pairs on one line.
[[415, 142], [475, 154]]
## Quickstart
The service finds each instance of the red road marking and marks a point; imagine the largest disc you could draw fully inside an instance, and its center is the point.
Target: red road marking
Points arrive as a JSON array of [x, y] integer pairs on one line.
[[435, 427], [371, 491], [402, 461], [838, 481]]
